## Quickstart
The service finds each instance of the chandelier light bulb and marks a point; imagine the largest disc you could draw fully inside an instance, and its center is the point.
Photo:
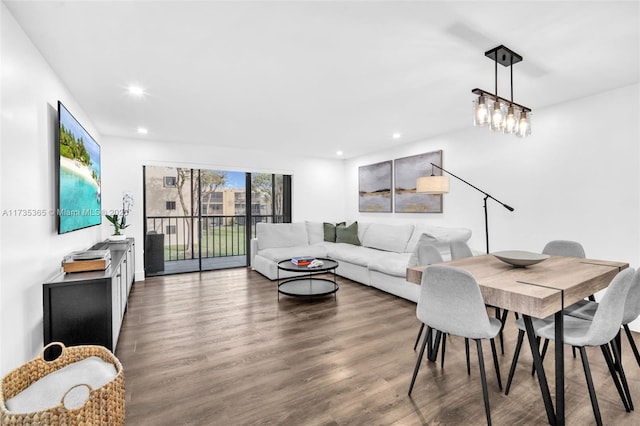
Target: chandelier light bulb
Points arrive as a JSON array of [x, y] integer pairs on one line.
[[481, 113], [497, 116], [510, 120], [524, 126]]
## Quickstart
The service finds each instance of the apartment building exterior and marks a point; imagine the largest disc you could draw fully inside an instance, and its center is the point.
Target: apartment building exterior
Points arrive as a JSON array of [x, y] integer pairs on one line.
[[177, 201]]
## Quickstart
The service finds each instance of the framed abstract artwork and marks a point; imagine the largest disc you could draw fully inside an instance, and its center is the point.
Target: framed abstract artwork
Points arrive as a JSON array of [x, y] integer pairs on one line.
[[407, 171], [374, 187]]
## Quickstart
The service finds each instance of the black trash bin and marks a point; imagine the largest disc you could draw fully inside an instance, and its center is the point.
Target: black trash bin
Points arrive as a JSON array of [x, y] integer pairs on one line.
[[154, 252]]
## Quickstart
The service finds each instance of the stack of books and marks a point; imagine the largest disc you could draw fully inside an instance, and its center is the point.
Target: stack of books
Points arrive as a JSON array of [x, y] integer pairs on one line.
[[302, 260]]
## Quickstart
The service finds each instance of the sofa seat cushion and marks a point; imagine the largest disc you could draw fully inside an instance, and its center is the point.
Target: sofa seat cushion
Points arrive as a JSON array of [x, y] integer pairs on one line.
[[282, 253], [387, 237], [391, 264], [357, 255]]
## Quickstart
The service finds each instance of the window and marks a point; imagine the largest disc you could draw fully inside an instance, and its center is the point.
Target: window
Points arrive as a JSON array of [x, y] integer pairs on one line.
[[211, 214]]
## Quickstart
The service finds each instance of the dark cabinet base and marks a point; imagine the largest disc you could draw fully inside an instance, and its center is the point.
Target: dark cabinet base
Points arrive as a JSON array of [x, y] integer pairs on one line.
[[86, 308], [76, 314]]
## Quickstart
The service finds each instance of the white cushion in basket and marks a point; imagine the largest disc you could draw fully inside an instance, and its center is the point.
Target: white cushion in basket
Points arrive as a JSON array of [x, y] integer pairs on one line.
[[49, 390]]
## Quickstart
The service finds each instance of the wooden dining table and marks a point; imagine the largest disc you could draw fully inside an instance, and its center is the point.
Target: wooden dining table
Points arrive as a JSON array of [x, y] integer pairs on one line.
[[538, 291]]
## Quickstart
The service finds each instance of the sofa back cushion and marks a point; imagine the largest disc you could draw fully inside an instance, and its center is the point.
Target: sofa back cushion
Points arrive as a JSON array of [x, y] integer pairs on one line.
[[281, 235], [387, 237], [315, 232], [443, 235], [362, 229]]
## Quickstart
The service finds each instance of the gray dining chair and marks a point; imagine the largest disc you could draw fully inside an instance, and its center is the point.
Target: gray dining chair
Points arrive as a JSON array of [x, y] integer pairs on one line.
[[564, 248], [600, 331], [427, 254], [586, 309], [450, 302], [460, 250]]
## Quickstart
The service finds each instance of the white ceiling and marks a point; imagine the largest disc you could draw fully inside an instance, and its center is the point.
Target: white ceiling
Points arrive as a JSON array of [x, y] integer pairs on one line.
[[322, 75]]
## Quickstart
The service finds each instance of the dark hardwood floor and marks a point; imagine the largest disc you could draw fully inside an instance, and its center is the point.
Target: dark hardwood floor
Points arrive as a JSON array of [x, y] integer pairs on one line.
[[219, 348]]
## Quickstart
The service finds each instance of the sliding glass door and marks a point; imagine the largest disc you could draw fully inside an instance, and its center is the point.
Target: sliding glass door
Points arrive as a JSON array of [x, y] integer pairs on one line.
[[198, 220]]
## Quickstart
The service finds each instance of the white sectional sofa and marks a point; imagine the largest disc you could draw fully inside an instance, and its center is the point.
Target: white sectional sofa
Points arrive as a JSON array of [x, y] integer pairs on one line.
[[380, 261]]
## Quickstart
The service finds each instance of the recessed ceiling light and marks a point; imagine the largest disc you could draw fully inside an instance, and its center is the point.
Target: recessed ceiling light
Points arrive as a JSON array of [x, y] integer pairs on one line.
[[135, 90], [143, 130], [339, 153], [396, 135]]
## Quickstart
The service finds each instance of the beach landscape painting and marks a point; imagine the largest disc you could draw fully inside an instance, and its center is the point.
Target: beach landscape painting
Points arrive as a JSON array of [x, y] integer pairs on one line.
[[374, 184], [79, 197], [407, 171]]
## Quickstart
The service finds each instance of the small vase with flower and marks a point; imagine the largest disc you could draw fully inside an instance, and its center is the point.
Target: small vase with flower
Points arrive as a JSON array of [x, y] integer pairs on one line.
[[119, 221]]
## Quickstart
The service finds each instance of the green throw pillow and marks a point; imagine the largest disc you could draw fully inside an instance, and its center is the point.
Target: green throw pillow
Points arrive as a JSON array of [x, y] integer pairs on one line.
[[330, 231], [347, 234]]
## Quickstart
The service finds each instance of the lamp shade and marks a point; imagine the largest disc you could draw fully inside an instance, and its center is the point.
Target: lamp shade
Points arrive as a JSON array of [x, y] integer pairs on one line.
[[432, 184]]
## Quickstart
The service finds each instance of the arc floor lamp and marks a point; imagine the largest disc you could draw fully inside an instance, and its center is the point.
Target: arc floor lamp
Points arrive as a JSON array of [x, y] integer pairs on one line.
[[440, 185]]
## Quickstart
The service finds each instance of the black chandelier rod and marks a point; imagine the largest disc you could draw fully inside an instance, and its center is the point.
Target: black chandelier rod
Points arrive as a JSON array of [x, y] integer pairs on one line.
[[495, 73], [511, 69], [477, 91], [500, 54]]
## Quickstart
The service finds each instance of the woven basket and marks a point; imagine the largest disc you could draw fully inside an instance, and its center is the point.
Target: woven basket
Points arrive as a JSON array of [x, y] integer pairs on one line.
[[105, 406]]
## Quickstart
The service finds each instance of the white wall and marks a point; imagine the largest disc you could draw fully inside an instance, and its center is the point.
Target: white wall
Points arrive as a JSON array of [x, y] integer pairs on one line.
[[318, 190], [31, 249], [575, 178]]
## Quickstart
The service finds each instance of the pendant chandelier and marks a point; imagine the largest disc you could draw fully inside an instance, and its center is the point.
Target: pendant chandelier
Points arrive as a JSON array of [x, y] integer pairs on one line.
[[500, 114]]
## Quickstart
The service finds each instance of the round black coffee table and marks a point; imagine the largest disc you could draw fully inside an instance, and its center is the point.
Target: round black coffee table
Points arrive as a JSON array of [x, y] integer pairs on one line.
[[311, 283]]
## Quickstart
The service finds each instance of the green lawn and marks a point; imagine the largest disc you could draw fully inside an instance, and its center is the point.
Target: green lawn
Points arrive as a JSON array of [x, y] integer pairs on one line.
[[216, 242]]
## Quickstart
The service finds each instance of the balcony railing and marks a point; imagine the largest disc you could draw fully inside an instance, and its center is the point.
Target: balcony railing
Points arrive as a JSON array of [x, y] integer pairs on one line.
[[208, 236]]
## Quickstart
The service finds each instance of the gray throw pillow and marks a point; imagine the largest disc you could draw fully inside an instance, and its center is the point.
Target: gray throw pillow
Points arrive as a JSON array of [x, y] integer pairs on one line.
[[347, 234]]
